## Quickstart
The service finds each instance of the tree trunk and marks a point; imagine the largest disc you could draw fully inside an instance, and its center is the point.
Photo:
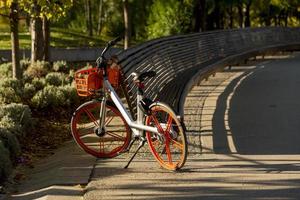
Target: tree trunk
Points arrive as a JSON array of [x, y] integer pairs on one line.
[[286, 19], [247, 14], [99, 27], [46, 37], [200, 16], [230, 12], [217, 16], [37, 49], [88, 14], [127, 24], [17, 73], [241, 14]]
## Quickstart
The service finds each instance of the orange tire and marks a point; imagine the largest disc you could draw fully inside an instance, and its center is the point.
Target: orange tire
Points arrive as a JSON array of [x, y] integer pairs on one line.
[[169, 147], [85, 121]]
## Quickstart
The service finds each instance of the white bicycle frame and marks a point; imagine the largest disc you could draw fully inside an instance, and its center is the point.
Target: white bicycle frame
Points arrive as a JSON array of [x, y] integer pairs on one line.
[[138, 126]]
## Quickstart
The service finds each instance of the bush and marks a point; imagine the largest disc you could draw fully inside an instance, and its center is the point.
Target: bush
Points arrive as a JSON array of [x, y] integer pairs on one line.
[[5, 164], [37, 69], [28, 92], [38, 83], [9, 95], [60, 66], [52, 97], [6, 70], [11, 82], [11, 143], [15, 120], [25, 64], [16, 117], [55, 78], [70, 95], [10, 90]]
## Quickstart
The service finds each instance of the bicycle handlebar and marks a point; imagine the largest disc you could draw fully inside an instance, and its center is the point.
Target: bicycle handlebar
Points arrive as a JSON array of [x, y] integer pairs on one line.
[[101, 61]]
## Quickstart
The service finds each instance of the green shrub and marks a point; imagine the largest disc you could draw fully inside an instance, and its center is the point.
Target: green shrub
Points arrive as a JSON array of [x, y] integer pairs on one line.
[[16, 117], [60, 66], [11, 82], [9, 95], [5, 163], [10, 142], [71, 76], [25, 63], [10, 90], [28, 92], [14, 127], [37, 69], [55, 78], [70, 95], [52, 96], [6, 70], [38, 83]]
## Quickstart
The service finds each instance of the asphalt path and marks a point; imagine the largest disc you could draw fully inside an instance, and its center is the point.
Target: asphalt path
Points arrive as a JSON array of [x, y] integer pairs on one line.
[[254, 150]]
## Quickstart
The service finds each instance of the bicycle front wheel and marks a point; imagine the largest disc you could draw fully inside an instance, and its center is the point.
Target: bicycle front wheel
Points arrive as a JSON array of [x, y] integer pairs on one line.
[[169, 147], [84, 127]]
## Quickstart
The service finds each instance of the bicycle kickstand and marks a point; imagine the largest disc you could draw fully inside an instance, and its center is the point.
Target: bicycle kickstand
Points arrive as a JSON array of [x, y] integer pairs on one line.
[[142, 142]]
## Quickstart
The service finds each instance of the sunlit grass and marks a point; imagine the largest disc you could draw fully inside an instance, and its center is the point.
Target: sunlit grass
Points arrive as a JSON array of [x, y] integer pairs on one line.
[[59, 38]]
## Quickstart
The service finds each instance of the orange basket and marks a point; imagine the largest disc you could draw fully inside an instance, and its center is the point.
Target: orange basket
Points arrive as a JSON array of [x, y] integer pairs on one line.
[[88, 81]]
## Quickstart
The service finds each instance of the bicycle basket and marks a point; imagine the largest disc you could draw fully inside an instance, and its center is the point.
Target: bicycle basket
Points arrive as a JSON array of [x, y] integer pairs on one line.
[[88, 81]]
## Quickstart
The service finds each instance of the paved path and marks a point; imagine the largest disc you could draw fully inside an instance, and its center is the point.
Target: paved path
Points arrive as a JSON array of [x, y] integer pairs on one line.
[[60, 176], [248, 115]]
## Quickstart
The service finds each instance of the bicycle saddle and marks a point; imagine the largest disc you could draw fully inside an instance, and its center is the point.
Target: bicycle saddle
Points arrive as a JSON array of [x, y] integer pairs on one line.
[[141, 77]]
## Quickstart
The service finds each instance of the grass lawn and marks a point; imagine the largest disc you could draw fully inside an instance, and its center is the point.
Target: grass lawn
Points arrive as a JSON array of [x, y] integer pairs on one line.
[[59, 38]]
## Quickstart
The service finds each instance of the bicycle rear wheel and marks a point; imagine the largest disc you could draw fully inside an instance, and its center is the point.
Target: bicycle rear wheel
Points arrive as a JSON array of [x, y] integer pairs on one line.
[[170, 146], [84, 125]]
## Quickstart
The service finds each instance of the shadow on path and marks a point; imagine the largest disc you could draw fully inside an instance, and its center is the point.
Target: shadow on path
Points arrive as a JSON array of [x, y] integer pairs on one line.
[[264, 111]]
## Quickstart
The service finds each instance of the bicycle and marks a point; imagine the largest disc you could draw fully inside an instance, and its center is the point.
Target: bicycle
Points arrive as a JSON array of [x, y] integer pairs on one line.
[[104, 128]]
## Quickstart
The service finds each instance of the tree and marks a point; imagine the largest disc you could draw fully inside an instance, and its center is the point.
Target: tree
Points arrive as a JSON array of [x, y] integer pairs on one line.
[[41, 12], [15, 39], [127, 24], [247, 13], [100, 9], [88, 16], [14, 31], [168, 17], [240, 6], [37, 39], [200, 15]]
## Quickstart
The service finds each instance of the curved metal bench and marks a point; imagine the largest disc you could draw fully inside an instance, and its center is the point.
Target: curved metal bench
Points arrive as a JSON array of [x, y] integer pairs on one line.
[[181, 60]]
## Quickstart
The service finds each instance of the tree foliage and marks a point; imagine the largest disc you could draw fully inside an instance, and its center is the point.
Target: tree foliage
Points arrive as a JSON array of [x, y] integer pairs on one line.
[[168, 17]]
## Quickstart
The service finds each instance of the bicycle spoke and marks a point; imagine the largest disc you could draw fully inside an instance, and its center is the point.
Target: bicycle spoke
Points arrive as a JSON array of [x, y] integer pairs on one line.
[[108, 120], [157, 124], [101, 146], [177, 144], [168, 153], [91, 116], [169, 123], [114, 135]]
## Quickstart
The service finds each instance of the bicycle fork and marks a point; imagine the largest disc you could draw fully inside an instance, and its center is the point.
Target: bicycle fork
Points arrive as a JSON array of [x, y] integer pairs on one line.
[[102, 115]]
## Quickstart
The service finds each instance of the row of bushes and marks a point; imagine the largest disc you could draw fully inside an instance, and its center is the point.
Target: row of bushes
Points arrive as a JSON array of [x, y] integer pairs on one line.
[[40, 87], [43, 87]]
